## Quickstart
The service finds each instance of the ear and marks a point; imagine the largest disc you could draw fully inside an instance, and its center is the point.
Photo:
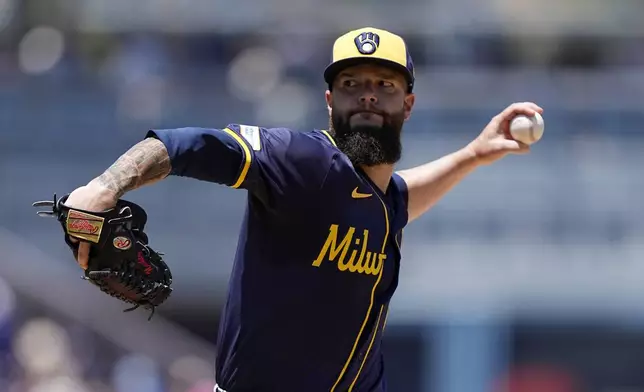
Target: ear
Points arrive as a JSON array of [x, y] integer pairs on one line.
[[408, 105], [329, 100]]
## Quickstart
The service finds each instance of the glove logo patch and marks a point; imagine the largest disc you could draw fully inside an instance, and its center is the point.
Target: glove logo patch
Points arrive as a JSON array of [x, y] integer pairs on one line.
[[122, 243], [84, 226], [147, 268]]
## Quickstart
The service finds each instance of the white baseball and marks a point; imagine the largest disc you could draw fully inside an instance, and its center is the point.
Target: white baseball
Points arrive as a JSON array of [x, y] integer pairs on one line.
[[526, 129]]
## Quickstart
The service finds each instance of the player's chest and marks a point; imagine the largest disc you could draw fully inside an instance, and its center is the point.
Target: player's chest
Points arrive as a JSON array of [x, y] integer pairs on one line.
[[357, 251], [359, 234]]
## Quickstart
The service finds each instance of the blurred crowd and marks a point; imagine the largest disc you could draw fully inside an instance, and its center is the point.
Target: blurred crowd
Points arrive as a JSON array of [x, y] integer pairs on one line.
[[41, 351]]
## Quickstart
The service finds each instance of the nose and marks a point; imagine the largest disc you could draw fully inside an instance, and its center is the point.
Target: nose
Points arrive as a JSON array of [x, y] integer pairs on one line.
[[368, 97]]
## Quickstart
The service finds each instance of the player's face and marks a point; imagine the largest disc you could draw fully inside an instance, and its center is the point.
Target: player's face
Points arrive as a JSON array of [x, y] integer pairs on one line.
[[369, 105]]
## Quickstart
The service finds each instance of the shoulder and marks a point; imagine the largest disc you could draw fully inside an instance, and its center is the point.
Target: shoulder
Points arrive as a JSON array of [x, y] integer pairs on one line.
[[289, 158], [311, 144]]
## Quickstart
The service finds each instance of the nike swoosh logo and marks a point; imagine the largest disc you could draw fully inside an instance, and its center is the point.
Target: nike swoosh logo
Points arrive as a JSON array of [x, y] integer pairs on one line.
[[357, 195]]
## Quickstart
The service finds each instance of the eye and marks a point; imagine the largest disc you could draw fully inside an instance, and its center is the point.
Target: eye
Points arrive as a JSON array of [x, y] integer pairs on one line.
[[386, 84], [349, 83]]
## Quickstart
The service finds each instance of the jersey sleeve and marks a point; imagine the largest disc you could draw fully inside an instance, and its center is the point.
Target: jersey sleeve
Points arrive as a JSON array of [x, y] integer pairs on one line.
[[401, 201], [202, 153], [265, 161], [402, 188]]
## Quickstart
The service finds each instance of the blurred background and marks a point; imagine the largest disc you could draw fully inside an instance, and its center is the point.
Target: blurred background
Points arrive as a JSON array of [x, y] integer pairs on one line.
[[528, 277]]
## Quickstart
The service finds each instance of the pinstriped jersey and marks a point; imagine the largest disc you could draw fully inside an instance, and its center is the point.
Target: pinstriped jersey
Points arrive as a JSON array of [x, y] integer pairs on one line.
[[316, 263]]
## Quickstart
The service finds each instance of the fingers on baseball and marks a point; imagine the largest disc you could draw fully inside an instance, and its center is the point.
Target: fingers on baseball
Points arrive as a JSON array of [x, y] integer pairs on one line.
[[516, 147], [526, 108], [504, 118]]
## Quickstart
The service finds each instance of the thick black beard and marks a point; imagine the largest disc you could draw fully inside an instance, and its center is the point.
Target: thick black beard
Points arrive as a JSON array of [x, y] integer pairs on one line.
[[369, 146]]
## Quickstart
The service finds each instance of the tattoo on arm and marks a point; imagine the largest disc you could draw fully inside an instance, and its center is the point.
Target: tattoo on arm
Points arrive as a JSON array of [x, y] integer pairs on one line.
[[145, 163]]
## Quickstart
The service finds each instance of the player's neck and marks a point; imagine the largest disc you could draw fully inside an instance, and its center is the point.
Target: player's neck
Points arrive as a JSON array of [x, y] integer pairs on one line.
[[379, 175]]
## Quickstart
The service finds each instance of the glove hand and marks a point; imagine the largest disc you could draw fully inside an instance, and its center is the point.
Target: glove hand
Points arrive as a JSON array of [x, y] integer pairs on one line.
[[94, 198], [117, 257]]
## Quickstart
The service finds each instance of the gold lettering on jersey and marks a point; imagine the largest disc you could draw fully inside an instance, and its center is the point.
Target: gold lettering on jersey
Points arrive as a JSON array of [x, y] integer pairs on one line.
[[351, 252]]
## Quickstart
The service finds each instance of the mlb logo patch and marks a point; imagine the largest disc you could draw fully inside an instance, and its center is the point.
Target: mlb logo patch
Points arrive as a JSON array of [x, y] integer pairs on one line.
[[251, 134]]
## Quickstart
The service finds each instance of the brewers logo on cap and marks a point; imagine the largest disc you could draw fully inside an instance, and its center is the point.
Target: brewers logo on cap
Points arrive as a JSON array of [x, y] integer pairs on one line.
[[370, 45], [367, 43]]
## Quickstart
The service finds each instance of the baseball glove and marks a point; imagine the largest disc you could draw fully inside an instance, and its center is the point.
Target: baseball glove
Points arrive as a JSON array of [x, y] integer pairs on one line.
[[120, 261]]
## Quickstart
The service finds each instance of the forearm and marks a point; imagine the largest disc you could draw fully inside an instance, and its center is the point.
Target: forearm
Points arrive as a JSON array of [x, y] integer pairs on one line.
[[428, 183], [145, 163]]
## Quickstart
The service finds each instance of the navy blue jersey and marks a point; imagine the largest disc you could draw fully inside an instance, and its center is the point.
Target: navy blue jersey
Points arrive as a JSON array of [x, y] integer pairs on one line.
[[317, 259]]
